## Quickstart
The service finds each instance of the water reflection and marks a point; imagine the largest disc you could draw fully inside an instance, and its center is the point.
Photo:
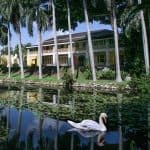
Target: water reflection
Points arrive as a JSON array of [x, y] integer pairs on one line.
[[26, 130], [45, 127]]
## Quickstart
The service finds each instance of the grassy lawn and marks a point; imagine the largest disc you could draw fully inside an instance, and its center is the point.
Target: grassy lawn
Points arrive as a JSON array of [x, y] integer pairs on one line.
[[53, 79]]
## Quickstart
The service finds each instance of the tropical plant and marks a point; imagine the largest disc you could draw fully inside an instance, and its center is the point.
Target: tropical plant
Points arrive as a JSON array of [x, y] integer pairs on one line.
[[112, 6], [133, 18], [6, 12], [3, 31], [90, 46], [70, 36], [55, 38], [38, 14], [141, 85], [18, 20]]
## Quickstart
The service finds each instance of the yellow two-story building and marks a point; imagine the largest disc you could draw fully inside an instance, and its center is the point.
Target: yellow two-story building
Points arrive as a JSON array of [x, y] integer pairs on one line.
[[103, 48]]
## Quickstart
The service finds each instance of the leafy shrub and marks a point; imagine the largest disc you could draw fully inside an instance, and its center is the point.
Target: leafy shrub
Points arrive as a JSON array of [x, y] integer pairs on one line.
[[135, 66], [3, 69], [68, 80], [49, 70], [106, 74], [124, 75], [141, 84], [87, 73], [32, 69], [15, 67]]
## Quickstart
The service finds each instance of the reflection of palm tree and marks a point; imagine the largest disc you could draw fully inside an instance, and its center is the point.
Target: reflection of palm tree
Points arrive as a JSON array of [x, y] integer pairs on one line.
[[8, 118], [40, 130], [119, 97], [20, 111]]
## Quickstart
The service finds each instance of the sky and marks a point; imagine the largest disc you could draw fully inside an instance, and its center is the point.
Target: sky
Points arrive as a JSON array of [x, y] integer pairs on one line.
[[48, 34]]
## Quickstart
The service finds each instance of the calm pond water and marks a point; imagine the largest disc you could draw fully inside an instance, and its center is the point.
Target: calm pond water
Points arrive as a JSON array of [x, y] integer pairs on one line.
[[36, 118]]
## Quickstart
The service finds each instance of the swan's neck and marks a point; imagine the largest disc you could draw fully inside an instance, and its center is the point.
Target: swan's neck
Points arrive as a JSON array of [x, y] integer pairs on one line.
[[101, 123]]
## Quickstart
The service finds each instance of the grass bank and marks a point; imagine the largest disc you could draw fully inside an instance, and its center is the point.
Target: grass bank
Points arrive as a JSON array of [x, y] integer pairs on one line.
[[80, 82]]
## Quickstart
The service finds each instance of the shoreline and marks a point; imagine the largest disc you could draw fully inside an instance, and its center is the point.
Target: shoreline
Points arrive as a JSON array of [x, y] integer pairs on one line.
[[104, 87]]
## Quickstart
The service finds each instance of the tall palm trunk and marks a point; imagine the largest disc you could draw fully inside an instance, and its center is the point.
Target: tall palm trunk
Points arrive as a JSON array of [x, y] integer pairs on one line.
[[89, 42], [20, 54], [9, 55], [70, 38], [55, 40], [40, 54], [145, 41], [118, 73]]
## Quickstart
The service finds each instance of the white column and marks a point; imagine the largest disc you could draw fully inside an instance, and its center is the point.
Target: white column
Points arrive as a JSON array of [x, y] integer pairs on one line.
[[107, 54], [28, 54], [69, 55], [107, 57], [87, 53], [54, 59]]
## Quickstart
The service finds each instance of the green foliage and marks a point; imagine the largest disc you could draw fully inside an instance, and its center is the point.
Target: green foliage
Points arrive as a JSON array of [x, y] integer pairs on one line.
[[136, 66], [3, 68], [134, 58], [141, 84], [15, 67], [32, 69], [106, 74], [87, 73], [68, 80], [124, 75]]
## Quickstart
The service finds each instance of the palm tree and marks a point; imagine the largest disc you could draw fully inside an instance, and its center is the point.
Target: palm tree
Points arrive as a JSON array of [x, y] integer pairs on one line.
[[38, 14], [89, 41], [6, 12], [145, 40], [131, 18], [112, 8], [17, 21], [55, 38], [70, 36], [3, 33]]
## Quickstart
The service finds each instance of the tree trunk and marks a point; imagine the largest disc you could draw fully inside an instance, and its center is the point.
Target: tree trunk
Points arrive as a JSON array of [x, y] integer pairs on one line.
[[55, 40], [118, 73], [70, 38], [9, 55], [20, 55], [89, 42], [40, 54], [145, 41]]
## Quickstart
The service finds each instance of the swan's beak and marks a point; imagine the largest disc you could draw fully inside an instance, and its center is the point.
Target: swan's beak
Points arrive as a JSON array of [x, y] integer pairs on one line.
[[105, 120]]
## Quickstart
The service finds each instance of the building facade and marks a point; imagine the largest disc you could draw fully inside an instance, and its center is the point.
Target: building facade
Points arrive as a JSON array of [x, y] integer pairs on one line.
[[103, 48]]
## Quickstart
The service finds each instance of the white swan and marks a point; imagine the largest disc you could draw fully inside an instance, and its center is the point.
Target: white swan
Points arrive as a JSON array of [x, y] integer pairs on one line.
[[89, 125]]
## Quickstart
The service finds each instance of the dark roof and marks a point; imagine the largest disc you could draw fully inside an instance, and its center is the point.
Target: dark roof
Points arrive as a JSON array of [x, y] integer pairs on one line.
[[80, 36]]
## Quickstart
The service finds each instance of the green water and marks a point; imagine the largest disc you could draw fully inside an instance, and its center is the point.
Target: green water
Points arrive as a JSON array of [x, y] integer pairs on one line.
[[36, 118]]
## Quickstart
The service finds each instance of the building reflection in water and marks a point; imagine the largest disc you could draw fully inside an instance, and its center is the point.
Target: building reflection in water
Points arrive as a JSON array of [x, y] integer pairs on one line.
[[25, 130]]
